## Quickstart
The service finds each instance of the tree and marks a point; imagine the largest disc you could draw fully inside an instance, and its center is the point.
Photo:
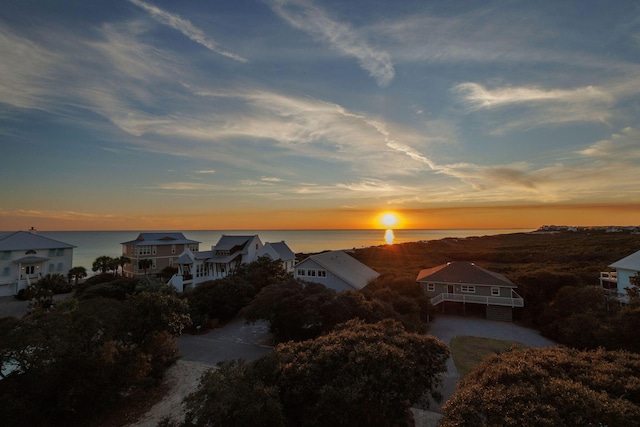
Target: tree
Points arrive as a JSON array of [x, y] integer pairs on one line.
[[122, 261], [359, 375], [77, 273], [233, 396], [145, 264], [549, 387], [633, 291], [102, 264]]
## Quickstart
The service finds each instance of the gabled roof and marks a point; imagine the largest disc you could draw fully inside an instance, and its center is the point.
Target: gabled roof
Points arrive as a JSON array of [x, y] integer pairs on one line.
[[631, 262], [345, 267], [463, 272], [24, 240], [159, 239], [277, 250], [227, 243]]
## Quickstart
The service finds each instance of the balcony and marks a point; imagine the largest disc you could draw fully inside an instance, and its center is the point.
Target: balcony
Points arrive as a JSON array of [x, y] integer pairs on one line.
[[515, 300], [609, 276]]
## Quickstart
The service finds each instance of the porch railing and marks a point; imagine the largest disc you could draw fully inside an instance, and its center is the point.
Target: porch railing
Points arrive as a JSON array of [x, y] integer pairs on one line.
[[515, 300]]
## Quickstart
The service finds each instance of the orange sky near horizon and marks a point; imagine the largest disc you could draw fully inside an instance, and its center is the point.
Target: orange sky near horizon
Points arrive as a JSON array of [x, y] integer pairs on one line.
[[435, 218]]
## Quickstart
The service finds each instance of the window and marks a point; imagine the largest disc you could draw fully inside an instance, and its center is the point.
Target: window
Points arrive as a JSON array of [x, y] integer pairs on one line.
[[153, 250], [468, 289], [322, 273], [201, 271], [5, 255], [170, 261], [52, 252], [193, 248], [495, 291], [301, 272], [59, 266], [29, 269], [311, 273], [51, 268], [173, 249], [30, 252], [5, 271], [144, 250], [431, 287], [60, 252]]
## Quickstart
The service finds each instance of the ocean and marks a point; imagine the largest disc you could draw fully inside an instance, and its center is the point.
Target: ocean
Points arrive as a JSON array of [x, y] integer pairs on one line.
[[90, 245]]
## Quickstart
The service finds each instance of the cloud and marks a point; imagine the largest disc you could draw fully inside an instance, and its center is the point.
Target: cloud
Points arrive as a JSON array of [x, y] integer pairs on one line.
[[477, 96], [270, 179], [210, 171], [187, 28], [622, 147], [305, 16]]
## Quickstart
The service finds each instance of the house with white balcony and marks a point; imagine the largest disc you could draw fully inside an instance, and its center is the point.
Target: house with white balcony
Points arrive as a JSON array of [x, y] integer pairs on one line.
[[335, 270], [616, 281], [26, 257], [462, 283], [151, 252], [229, 253]]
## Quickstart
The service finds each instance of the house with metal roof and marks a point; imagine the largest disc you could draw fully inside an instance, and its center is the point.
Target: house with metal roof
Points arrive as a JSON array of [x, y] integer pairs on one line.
[[279, 251], [462, 283], [26, 257], [336, 270], [229, 253], [617, 281], [156, 250]]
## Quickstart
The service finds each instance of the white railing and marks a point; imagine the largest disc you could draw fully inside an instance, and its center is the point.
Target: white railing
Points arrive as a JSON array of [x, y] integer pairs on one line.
[[515, 301], [609, 276]]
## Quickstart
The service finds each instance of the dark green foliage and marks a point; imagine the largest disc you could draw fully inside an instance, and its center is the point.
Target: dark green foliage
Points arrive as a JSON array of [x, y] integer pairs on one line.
[[549, 387], [298, 311], [222, 299], [358, 375], [233, 396], [81, 356], [106, 286]]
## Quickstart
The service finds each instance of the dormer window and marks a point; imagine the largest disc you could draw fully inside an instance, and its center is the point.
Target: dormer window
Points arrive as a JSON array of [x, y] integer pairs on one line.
[[30, 252]]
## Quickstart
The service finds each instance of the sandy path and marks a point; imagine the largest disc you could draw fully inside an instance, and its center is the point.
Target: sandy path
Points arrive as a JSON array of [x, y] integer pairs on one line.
[[182, 379]]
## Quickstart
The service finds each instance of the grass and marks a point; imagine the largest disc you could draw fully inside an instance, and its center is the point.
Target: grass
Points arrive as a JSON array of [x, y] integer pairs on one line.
[[469, 351]]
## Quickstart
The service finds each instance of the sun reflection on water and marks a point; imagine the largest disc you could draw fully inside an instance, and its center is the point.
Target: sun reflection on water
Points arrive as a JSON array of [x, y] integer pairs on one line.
[[389, 237]]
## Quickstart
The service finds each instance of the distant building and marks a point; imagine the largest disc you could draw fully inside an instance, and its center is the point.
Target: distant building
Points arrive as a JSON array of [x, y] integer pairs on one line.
[[230, 252], [336, 270], [161, 249], [464, 283], [26, 257]]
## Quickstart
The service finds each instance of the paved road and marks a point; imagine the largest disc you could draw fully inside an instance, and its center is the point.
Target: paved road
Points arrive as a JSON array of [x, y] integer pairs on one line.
[[9, 306], [446, 327], [235, 340]]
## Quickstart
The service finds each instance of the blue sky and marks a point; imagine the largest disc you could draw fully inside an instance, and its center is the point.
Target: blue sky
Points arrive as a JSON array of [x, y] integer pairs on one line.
[[141, 114]]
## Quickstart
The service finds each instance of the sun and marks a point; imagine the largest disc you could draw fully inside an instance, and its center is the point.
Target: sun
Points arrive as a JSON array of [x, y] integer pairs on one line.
[[389, 219]]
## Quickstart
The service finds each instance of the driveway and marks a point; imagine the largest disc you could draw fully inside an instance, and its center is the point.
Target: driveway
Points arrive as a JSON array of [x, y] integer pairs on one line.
[[446, 327], [235, 340]]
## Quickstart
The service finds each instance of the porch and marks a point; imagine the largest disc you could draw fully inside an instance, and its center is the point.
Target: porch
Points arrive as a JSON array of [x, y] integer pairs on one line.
[[514, 301]]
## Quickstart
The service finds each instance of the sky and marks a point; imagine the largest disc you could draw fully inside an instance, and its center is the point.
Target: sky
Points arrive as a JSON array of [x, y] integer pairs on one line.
[[308, 114]]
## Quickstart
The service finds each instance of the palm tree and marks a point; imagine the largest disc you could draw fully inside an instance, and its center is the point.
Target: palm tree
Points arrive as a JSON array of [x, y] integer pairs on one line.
[[77, 273], [122, 261], [145, 264], [102, 264]]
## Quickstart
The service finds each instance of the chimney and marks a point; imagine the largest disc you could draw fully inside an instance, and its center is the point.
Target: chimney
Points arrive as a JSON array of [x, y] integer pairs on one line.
[[32, 230]]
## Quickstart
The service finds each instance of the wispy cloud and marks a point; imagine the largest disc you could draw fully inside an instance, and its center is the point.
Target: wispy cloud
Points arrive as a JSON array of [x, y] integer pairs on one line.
[[477, 96], [187, 28], [342, 37], [209, 171]]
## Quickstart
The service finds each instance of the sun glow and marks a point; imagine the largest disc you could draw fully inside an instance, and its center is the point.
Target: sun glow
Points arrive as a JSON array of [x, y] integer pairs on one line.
[[389, 219]]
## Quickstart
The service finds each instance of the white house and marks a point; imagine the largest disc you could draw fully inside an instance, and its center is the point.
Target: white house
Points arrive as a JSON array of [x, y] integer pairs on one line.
[[617, 281], [26, 257], [279, 251], [336, 270], [195, 267]]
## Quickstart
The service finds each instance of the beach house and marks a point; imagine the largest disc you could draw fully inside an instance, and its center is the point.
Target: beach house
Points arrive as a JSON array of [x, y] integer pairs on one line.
[[195, 267], [150, 253], [336, 270], [616, 281], [461, 283], [26, 257]]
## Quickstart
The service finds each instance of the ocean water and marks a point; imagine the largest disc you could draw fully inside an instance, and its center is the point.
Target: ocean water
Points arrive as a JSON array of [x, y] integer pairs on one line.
[[90, 245]]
